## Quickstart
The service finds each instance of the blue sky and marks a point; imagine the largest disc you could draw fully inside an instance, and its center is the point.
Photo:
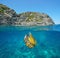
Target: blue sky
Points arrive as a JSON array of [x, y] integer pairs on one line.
[[50, 7]]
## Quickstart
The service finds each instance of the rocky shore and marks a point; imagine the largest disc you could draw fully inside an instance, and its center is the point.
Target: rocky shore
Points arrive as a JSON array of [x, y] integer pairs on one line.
[[9, 17]]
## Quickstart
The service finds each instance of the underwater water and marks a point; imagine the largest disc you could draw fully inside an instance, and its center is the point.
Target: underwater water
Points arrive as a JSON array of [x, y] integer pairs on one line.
[[12, 43]]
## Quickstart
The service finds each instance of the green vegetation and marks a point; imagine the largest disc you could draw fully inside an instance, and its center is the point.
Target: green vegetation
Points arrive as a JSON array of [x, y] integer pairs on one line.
[[2, 8], [1, 11], [39, 20], [30, 17]]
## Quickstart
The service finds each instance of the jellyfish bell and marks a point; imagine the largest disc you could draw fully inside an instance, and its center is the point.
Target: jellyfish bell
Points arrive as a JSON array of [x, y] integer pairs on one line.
[[29, 40]]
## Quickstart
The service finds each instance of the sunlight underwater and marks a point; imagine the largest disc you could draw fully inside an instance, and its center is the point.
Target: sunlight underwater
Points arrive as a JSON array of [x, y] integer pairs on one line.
[[12, 43]]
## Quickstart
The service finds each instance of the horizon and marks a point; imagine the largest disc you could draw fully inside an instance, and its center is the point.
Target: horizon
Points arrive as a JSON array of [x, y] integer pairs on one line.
[[50, 7]]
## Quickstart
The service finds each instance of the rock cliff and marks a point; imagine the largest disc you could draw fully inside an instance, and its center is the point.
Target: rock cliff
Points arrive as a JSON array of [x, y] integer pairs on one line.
[[10, 17]]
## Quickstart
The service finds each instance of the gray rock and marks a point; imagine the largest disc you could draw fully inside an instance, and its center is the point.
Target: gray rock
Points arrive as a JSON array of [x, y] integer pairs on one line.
[[10, 17]]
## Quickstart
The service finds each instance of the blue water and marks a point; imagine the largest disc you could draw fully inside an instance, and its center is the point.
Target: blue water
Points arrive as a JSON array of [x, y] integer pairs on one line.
[[12, 43]]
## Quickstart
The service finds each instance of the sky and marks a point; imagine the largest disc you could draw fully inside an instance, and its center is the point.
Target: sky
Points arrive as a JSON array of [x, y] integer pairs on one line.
[[50, 7]]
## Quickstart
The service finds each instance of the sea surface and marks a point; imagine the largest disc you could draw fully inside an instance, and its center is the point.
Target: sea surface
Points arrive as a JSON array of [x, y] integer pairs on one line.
[[12, 43]]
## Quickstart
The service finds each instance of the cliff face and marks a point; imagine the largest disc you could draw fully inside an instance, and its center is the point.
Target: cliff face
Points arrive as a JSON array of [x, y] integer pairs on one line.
[[9, 17], [34, 18], [6, 15]]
